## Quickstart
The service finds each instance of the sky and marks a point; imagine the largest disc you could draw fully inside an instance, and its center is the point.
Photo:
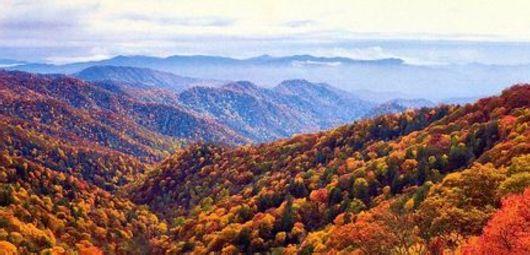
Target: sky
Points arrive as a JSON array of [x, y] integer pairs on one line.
[[420, 31]]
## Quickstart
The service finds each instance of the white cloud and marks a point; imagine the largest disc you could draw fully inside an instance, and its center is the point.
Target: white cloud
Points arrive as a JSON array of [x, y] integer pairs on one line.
[[166, 27], [68, 59]]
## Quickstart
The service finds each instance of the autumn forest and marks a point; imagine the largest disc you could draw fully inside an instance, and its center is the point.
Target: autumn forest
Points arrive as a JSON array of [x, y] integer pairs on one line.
[[94, 168]]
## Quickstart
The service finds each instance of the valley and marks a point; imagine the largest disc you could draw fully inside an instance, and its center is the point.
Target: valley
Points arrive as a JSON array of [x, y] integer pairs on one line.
[[119, 160]]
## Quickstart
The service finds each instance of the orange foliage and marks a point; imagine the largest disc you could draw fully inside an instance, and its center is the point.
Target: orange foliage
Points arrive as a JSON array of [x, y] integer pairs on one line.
[[7, 248], [508, 231], [320, 195]]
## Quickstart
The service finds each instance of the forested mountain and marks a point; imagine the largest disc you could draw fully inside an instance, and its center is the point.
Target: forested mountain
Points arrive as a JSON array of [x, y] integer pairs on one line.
[[262, 114], [65, 107], [235, 113], [257, 113], [422, 181], [82, 172]]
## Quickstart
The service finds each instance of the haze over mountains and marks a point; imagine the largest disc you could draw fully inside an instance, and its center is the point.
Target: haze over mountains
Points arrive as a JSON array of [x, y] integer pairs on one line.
[[377, 75], [295, 127], [86, 167]]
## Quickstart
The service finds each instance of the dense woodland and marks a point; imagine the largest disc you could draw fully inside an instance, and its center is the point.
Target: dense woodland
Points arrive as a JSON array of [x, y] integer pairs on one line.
[[442, 180]]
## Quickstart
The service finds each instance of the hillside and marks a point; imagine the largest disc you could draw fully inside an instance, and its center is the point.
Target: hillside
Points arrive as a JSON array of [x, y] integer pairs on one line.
[[418, 181], [294, 106], [73, 126], [256, 113], [330, 105], [51, 212], [81, 173]]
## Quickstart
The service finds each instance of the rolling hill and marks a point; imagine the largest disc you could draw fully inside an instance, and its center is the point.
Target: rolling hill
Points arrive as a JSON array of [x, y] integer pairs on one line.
[[423, 180], [257, 113], [85, 168], [63, 106]]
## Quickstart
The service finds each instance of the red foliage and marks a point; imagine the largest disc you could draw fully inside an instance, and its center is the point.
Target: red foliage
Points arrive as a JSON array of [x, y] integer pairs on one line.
[[320, 195], [508, 232]]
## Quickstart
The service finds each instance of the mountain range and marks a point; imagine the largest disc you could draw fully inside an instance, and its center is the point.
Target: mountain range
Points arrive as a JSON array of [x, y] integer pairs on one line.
[[258, 113], [378, 76], [103, 168], [179, 61]]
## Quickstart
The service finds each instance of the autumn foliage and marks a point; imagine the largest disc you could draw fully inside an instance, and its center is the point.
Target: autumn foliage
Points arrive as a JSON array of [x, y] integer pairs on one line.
[[443, 180], [508, 231]]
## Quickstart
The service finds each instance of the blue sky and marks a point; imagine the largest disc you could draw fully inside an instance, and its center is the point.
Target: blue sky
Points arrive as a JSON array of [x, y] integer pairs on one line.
[[421, 32]]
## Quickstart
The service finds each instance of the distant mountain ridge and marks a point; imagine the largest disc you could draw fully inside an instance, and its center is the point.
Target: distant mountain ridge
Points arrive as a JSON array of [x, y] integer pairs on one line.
[[137, 76], [258, 113], [175, 61], [467, 80]]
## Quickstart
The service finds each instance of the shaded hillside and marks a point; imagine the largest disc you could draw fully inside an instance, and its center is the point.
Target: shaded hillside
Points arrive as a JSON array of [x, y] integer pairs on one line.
[[72, 108], [262, 114], [254, 112], [425, 180], [249, 110], [330, 105], [48, 212]]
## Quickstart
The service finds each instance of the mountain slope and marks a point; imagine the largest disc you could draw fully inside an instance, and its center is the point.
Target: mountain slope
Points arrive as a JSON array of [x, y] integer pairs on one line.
[[331, 105], [266, 114], [77, 175], [50, 212], [258, 119], [254, 112], [427, 179], [150, 124]]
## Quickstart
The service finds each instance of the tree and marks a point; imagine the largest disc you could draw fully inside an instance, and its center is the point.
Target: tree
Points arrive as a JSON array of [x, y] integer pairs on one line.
[[7, 248], [368, 235], [515, 183], [519, 175], [508, 231], [360, 190], [287, 219], [520, 164], [319, 195], [461, 204]]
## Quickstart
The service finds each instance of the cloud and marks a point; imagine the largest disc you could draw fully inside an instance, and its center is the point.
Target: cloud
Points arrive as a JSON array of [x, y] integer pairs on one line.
[[36, 24], [300, 23], [202, 21], [72, 59], [238, 27]]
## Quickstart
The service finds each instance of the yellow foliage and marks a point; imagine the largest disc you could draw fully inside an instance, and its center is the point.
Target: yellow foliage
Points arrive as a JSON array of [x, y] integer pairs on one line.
[[409, 205]]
